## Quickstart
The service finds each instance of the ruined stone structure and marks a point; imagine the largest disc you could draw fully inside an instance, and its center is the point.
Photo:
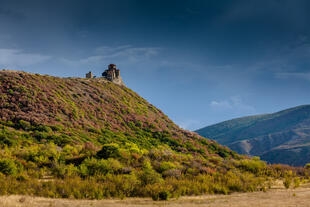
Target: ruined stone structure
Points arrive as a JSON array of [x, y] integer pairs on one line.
[[113, 74], [89, 75]]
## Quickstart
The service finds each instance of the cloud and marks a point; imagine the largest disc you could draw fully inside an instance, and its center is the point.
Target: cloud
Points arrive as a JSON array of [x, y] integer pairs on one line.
[[105, 50], [303, 76], [282, 60], [125, 53], [189, 124], [13, 58], [221, 104], [234, 103]]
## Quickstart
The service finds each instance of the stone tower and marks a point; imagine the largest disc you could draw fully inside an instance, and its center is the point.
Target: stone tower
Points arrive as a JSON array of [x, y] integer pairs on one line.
[[113, 74], [89, 75]]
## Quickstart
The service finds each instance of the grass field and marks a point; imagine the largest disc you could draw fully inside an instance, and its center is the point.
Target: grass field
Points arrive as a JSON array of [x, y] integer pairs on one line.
[[275, 197]]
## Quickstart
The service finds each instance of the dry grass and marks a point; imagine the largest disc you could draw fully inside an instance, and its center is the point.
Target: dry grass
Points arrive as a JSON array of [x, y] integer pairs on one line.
[[276, 197]]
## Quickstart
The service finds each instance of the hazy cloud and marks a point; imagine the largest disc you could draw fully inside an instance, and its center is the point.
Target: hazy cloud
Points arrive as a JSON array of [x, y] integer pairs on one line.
[[288, 60], [304, 76], [221, 104], [234, 103], [12, 58], [119, 53], [189, 124]]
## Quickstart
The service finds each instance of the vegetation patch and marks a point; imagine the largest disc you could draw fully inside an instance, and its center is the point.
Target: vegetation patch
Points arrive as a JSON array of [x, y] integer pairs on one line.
[[72, 138]]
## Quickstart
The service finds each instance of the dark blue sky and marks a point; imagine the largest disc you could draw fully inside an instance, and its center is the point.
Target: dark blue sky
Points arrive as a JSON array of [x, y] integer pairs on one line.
[[199, 61]]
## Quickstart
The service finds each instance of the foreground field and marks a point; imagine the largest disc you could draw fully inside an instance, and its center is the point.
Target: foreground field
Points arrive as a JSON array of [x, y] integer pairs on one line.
[[276, 197]]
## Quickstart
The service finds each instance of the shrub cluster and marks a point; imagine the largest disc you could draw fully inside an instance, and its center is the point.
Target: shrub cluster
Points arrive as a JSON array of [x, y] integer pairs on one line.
[[56, 162]]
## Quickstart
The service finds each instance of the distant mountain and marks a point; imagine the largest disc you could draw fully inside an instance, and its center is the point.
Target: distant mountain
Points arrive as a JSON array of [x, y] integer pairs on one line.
[[282, 137]]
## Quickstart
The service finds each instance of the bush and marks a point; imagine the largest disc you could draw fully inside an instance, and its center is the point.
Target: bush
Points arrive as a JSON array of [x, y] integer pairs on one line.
[[164, 166], [89, 149], [60, 140], [7, 139], [296, 182], [108, 150], [164, 195], [176, 173], [43, 128], [25, 125], [62, 171], [253, 165], [8, 167], [287, 182], [148, 175], [92, 166]]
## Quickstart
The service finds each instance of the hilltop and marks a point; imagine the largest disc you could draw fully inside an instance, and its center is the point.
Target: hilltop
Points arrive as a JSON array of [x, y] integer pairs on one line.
[[282, 137], [81, 109], [92, 138]]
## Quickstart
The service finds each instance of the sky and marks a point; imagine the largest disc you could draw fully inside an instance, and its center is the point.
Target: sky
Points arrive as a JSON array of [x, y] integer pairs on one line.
[[199, 61]]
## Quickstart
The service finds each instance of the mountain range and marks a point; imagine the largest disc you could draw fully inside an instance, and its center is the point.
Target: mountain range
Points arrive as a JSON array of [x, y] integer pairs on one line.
[[281, 137]]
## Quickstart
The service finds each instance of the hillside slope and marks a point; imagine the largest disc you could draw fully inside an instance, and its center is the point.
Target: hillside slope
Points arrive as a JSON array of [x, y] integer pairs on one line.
[[80, 110], [282, 137], [91, 138]]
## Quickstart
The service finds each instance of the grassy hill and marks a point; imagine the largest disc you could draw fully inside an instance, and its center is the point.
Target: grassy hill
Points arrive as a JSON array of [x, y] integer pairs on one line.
[[90, 138], [282, 137]]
